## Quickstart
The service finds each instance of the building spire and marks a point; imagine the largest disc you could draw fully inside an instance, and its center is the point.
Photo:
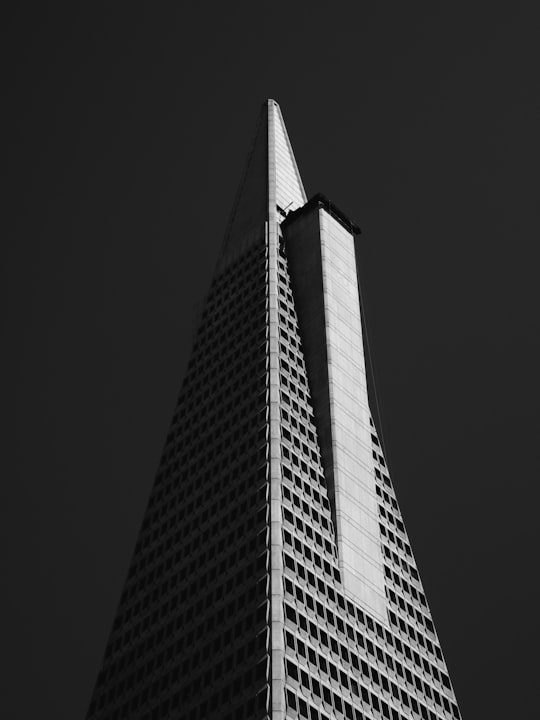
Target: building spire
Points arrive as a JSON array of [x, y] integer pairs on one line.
[[289, 189], [270, 186]]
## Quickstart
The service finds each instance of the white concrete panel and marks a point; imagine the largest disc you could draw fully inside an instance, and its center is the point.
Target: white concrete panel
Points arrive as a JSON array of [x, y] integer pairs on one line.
[[290, 193], [360, 555]]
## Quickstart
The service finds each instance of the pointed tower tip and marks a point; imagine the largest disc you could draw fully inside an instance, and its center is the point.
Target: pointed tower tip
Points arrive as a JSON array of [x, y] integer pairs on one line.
[[289, 189], [270, 183], [269, 105]]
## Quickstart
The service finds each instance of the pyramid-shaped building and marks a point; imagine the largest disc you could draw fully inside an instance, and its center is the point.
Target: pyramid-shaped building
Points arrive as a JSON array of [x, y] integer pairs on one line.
[[273, 576]]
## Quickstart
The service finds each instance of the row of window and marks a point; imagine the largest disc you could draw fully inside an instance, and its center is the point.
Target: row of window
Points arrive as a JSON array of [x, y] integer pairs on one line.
[[358, 637], [313, 486], [236, 276], [390, 501], [256, 381], [289, 421], [407, 607], [289, 339], [219, 393], [226, 484], [229, 285], [220, 310], [364, 670], [172, 700], [294, 441], [295, 501], [399, 562], [306, 529], [213, 593], [395, 540], [192, 413], [227, 425], [249, 325], [254, 456], [415, 635], [189, 539], [112, 691], [401, 583], [298, 704], [311, 557]]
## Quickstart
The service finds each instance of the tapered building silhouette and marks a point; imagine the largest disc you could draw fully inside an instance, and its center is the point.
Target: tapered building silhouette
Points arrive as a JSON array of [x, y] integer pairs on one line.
[[273, 576]]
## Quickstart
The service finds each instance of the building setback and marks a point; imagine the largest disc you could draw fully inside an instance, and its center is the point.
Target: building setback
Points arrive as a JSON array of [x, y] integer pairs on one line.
[[273, 576]]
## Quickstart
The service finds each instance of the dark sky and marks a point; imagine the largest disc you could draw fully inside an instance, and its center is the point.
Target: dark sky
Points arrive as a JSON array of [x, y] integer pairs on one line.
[[127, 128]]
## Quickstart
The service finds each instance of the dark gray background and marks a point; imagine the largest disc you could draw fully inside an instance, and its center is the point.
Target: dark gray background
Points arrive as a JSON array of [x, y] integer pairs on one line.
[[128, 126]]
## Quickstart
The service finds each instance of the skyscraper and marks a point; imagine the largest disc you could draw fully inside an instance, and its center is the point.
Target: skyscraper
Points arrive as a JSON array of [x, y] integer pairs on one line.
[[273, 576]]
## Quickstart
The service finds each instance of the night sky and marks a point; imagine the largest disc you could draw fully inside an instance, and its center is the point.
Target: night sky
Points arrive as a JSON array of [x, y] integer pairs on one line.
[[127, 129]]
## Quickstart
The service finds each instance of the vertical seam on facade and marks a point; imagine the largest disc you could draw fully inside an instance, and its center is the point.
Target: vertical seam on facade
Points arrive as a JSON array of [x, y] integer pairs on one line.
[[277, 666]]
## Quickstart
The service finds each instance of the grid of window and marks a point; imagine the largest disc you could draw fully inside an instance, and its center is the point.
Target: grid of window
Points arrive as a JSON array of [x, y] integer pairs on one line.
[[190, 637], [339, 661]]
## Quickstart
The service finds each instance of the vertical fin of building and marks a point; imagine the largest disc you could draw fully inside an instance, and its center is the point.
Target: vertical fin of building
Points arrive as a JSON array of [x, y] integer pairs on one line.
[[285, 190], [277, 710], [321, 254]]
